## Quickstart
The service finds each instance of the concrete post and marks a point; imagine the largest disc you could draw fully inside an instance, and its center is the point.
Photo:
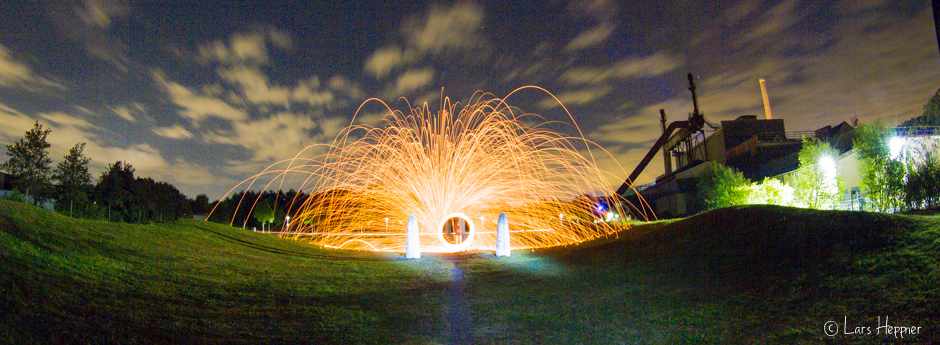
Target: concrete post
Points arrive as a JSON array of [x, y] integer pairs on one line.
[[412, 242], [502, 236]]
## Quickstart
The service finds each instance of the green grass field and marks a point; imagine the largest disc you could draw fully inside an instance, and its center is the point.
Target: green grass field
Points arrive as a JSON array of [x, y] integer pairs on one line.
[[758, 274]]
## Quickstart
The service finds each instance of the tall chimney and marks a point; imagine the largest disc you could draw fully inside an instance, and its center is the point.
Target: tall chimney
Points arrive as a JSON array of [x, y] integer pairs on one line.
[[763, 92], [666, 158]]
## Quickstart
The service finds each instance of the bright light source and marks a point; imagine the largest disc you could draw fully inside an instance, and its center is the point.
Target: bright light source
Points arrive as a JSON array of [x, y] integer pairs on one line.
[[896, 144], [610, 216], [828, 166], [479, 160]]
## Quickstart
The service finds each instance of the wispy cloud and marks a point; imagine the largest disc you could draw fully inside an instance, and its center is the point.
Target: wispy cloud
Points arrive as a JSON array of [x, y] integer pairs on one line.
[[14, 74], [630, 67], [447, 27], [244, 47], [99, 12], [386, 59], [176, 131], [409, 81], [591, 37]]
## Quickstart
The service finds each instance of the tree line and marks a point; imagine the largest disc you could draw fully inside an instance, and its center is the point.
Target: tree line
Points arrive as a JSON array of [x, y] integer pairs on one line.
[[258, 210], [117, 195]]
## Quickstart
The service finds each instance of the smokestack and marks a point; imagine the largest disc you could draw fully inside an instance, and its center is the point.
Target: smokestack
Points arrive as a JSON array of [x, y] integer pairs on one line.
[[763, 92], [666, 158]]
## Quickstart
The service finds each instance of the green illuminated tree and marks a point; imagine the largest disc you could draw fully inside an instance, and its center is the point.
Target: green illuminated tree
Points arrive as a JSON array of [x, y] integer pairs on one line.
[[922, 189], [721, 186], [882, 176], [29, 162], [817, 184], [770, 192]]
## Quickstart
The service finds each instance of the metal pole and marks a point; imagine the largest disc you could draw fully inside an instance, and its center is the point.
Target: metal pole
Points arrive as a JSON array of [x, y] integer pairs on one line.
[[666, 159]]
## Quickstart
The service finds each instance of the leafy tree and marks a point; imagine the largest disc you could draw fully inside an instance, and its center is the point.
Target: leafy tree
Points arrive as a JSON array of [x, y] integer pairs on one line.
[[721, 186], [770, 192], [882, 176], [817, 183], [201, 204], [74, 181], [160, 201], [931, 115], [115, 190], [923, 185], [233, 210], [29, 162]]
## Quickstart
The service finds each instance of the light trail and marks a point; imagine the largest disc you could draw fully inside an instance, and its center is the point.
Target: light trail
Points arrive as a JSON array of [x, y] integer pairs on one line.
[[479, 161]]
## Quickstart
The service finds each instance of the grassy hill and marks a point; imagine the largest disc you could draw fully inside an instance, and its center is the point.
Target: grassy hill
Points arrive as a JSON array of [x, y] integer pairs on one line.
[[758, 274]]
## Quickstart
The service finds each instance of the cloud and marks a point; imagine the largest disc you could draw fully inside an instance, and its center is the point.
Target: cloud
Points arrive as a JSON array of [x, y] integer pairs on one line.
[[776, 20], [255, 85], [279, 136], [386, 59], [576, 97], [409, 81], [248, 47], [67, 120], [591, 37], [739, 12], [89, 25], [176, 131], [346, 86], [16, 74], [848, 77], [257, 89], [99, 12], [442, 28], [197, 106], [632, 67], [125, 112], [599, 10]]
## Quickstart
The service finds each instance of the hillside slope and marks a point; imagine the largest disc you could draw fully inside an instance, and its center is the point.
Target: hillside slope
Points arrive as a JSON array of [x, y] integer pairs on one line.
[[755, 274], [75, 281], [758, 274]]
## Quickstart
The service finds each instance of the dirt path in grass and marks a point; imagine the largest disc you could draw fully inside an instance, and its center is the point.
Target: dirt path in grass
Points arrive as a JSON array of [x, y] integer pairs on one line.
[[459, 326]]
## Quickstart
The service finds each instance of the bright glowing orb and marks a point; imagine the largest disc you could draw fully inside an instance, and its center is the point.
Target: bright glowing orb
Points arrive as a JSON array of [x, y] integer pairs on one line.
[[465, 239], [828, 166], [473, 163], [896, 144]]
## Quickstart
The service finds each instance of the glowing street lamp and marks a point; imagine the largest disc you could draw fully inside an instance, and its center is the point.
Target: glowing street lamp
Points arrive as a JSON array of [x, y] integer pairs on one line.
[[896, 144], [386, 224], [286, 222], [828, 167]]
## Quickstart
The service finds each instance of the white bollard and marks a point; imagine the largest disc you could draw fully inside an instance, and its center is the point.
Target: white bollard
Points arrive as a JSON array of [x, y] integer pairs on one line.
[[502, 236], [412, 242]]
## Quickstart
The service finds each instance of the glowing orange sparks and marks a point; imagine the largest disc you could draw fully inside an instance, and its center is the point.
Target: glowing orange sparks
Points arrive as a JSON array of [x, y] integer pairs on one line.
[[456, 171]]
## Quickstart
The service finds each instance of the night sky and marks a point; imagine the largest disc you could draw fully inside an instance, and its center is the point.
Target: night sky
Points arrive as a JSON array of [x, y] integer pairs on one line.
[[205, 95]]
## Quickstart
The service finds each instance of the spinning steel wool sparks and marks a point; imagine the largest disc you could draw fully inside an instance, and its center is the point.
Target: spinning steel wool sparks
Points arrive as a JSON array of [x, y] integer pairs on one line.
[[456, 171]]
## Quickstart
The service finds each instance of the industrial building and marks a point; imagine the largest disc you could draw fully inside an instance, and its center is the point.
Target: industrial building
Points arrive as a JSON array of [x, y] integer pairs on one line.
[[758, 147]]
